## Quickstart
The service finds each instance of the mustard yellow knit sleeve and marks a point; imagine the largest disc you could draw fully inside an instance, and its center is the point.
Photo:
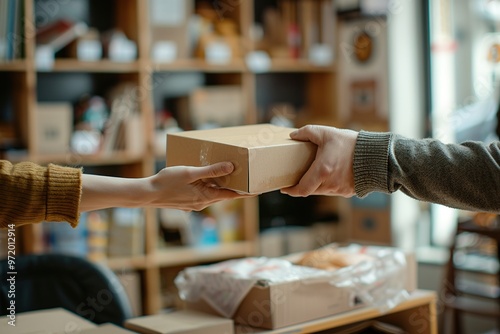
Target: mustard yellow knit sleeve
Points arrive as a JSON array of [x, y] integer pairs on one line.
[[30, 193]]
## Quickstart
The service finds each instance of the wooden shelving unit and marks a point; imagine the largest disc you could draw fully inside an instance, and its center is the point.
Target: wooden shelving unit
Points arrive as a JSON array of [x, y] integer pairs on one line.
[[102, 66], [13, 66], [199, 65], [175, 256], [131, 16]]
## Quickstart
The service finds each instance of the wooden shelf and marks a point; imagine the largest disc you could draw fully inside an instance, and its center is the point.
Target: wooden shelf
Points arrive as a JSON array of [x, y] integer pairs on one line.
[[127, 263], [298, 65], [102, 66], [237, 66], [184, 65], [479, 307], [199, 65], [13, 66], [191, 255]]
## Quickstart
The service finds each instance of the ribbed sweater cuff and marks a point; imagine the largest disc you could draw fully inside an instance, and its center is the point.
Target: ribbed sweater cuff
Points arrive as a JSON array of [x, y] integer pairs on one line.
[[370, 162], [63, 194]]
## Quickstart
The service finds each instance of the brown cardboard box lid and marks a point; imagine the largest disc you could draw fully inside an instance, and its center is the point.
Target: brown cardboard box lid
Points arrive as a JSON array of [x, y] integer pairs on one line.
[[53, 321], [247, 136], [182, 322]]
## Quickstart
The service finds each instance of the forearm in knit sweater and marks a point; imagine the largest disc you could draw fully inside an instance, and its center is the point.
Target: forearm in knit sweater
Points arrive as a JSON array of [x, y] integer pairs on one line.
[[30, 193], [464, 176]]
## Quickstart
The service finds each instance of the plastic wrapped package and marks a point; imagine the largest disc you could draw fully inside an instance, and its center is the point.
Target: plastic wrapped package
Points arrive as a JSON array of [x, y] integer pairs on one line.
[[223, 285], [377, 281]]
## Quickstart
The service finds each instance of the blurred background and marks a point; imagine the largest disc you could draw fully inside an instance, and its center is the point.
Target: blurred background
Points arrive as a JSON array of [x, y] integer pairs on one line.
[[99, 84]]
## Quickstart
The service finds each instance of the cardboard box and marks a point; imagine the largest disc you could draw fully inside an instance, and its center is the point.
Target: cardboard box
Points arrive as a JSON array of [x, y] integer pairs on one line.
[[169, 22], [284, 304], [50, 321], [221, 105], [181, 322], [264, 156], [54, 125], [106, 329], [371, 225]]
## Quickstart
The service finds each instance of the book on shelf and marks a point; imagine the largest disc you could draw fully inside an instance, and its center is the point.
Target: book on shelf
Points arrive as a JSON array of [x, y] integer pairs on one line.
[[59, 34], [11, 29], [97, 234], [100, 234], [60, 237], [124, 127], [53, 37], [299, 30], [89, 239]]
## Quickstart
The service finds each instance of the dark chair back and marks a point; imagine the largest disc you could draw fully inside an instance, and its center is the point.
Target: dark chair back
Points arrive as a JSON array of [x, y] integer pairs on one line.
[[74, 283]]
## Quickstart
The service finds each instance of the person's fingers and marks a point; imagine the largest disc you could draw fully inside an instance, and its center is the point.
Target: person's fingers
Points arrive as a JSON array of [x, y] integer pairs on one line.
[[307, 133], [218, 193], [209, 195], [306, 186], [212, 171]]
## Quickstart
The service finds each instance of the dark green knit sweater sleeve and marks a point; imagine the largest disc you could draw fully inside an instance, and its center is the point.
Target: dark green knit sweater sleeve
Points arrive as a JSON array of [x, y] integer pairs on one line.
[[464, 176]]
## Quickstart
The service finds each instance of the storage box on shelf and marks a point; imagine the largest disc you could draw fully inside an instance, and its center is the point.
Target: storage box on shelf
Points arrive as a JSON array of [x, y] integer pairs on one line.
[[143, 26]]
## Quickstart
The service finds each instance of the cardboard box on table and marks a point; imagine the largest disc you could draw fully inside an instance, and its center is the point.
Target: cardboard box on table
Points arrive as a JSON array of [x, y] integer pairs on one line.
[[107, 328], [55, 321], [284, 304], [181, 322], [288, 303], [264, 156]]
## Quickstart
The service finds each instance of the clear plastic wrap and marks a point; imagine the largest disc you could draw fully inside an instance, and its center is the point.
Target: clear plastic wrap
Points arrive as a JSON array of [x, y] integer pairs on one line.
[[379, 282], [223, 285]]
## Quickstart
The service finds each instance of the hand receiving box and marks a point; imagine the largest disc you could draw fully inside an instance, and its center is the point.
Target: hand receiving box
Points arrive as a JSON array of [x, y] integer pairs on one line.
[[264, 156]]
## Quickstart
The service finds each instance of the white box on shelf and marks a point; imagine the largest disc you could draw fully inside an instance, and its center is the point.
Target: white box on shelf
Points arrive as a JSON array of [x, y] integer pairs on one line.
[[218, 52], [258, 61], [44, 57], [321, 54], [122, 50], [89, 50], [164, 51]]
